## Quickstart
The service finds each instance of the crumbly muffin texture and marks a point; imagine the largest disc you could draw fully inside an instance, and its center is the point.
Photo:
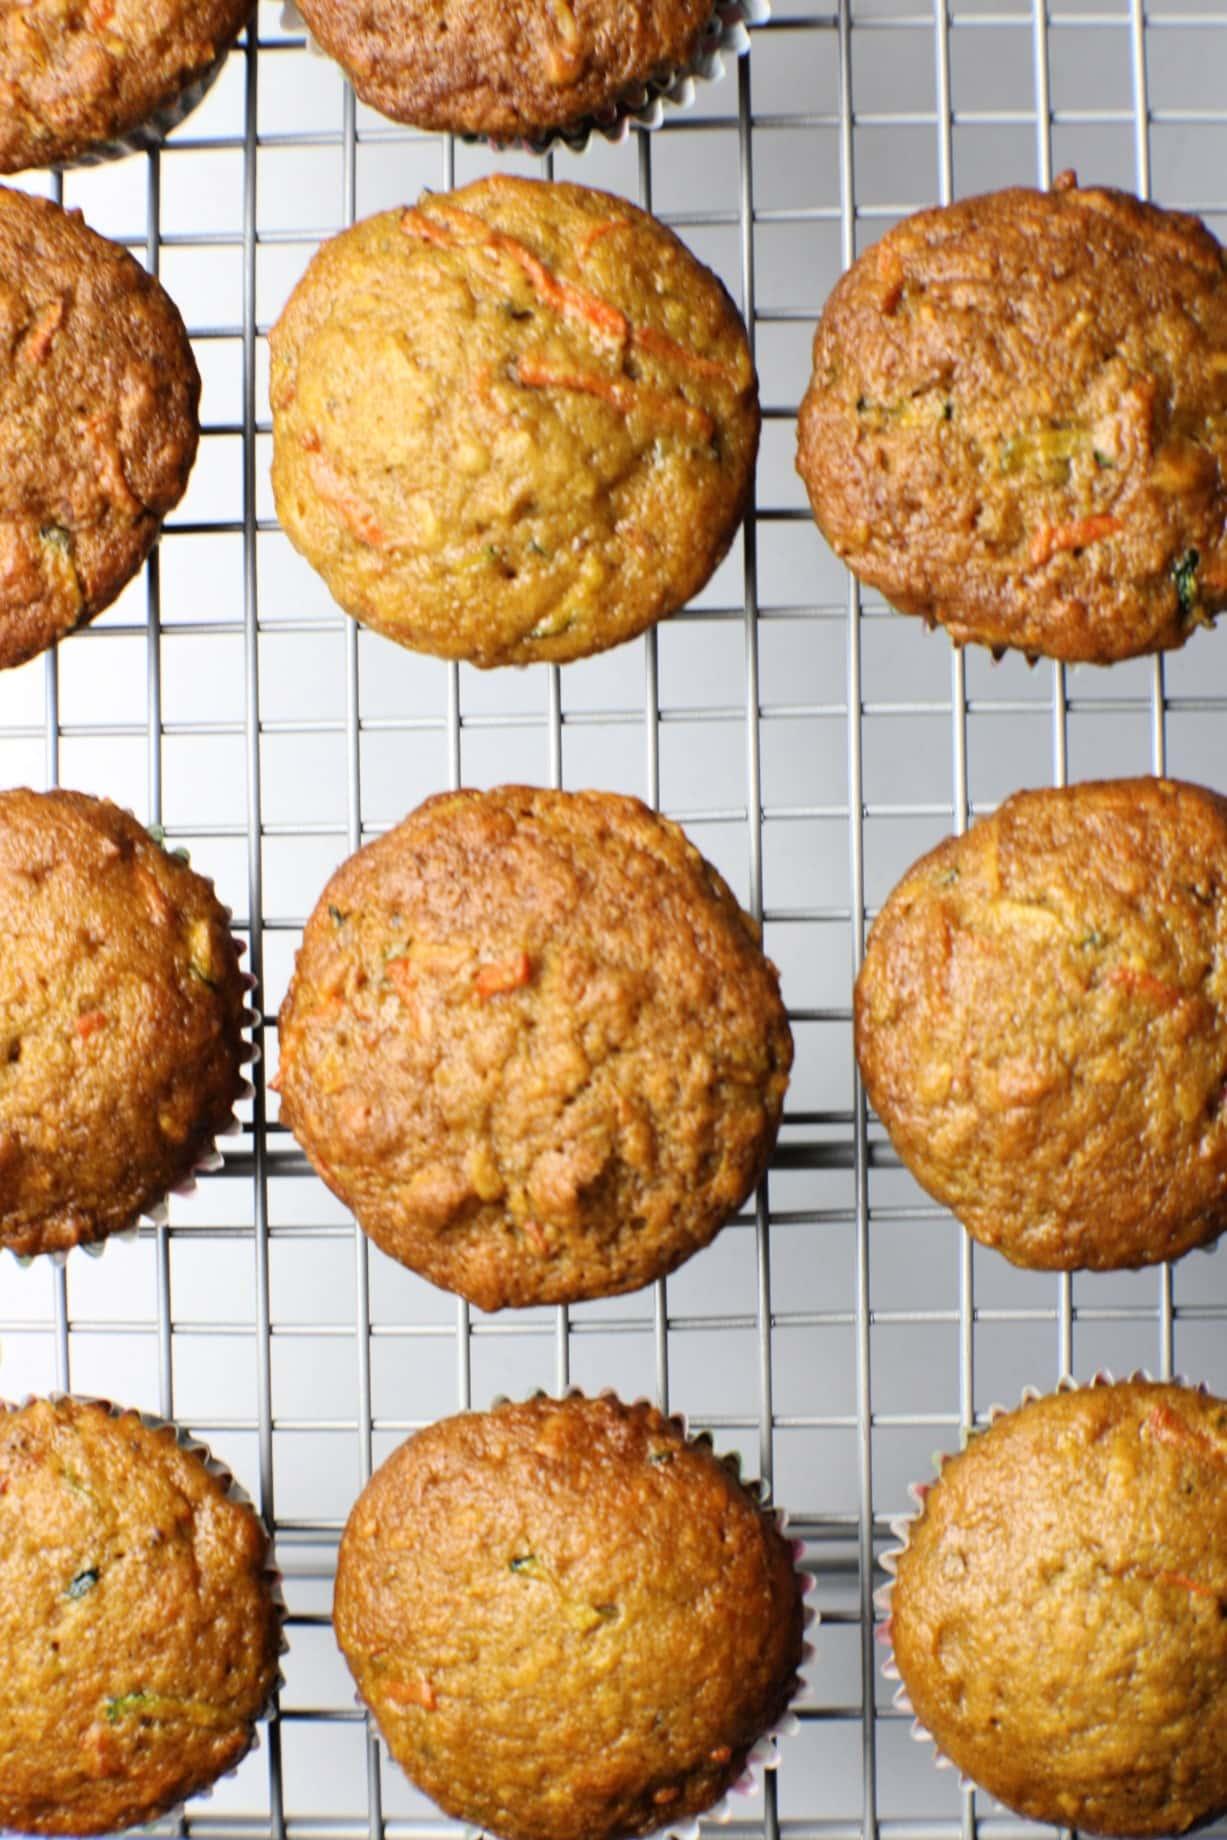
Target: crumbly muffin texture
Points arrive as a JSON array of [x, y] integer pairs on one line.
[[121, 1019], [1041, 1021], [98, 420], [508, 72], [533, 1043], [570, 1623], [1017, 423], [513, 422], [1060, 1613], [136, 1621], [76, 74]]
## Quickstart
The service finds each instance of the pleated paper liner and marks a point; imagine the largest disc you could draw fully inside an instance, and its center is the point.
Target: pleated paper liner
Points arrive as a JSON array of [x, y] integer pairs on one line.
[[649, 105], [234, 1492], [210, 1157], [764, 1755], [902, 1525]]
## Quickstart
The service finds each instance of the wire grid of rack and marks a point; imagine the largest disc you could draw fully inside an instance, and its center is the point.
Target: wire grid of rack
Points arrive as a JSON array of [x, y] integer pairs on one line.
[[842, 1328]]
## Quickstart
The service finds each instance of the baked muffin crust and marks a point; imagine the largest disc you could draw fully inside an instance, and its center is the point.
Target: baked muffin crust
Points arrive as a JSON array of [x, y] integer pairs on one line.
[[569, 1623], [1041, 1022], [76, 74], [98, 421], [1017, 422], [511, 423], [532, 1041], [509, 72], [137, 1621], [1060, 1614], [121, 1017]]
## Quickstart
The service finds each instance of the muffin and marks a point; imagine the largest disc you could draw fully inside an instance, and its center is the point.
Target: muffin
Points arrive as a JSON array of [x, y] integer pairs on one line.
[[98, 419], [1041, 1022], [532, 1041], [137, 1620], [79, 76], [569, 1622], [1017, 423], [511, 423], [122, 1008], [462, 66], [1059, 1615]]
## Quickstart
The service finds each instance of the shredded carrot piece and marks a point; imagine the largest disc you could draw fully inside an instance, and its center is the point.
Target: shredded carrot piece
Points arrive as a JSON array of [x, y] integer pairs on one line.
[[417, 223], [503, 975], [102, 11], [721, 1754], [660, 345], [604, 228], [620, 395], [1167, 1427], [38, 340], [90, 1023], [157, 905], [400, 975], [564, 297], [274, 1085], [1185, 1583], [411, 1693], [1050, 538], [1144, 984], [336, 491], [665, 1796]]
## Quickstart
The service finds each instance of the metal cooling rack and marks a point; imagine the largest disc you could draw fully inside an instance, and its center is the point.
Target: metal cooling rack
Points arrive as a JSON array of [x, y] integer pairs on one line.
[[844, 1328]]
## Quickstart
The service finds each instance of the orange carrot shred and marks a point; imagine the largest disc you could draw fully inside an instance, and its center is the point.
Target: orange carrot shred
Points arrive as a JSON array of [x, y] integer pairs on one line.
[[620, 394], [401, 977], [501, 975], [90, 1023], [38, 340], [604, 228], [411, 1693], [1185, 1583], [336, 491], [1050, 538], [1167, 1427], [418, 224], [565, 297], [1144, 984], [660, 345]]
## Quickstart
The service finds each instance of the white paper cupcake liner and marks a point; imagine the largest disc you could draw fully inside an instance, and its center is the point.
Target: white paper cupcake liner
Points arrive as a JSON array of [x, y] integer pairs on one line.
[[209, 1158], [901, 1528], [235, 1492], [764, 1755], [648, 105]]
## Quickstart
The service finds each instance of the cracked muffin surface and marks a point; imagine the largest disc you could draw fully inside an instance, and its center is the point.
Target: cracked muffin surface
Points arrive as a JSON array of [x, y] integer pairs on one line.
[[1059, 1616], [533, 1042], [511, 423], [570, 1622], [1041, 1022], [520, 72], [137, 1621], [121, 1020], [1017, 422], [78, 74], [98, 421]]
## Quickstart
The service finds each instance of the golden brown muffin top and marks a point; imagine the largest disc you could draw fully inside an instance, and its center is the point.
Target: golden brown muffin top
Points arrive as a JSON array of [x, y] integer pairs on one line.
[[75, 74], [508, 72], [513, 422], [1060, 1614], [98, 427], [121, 1019], [569, 1622], [1017, 423], [533, 1043], [136, 1621], [1041, 1021]]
